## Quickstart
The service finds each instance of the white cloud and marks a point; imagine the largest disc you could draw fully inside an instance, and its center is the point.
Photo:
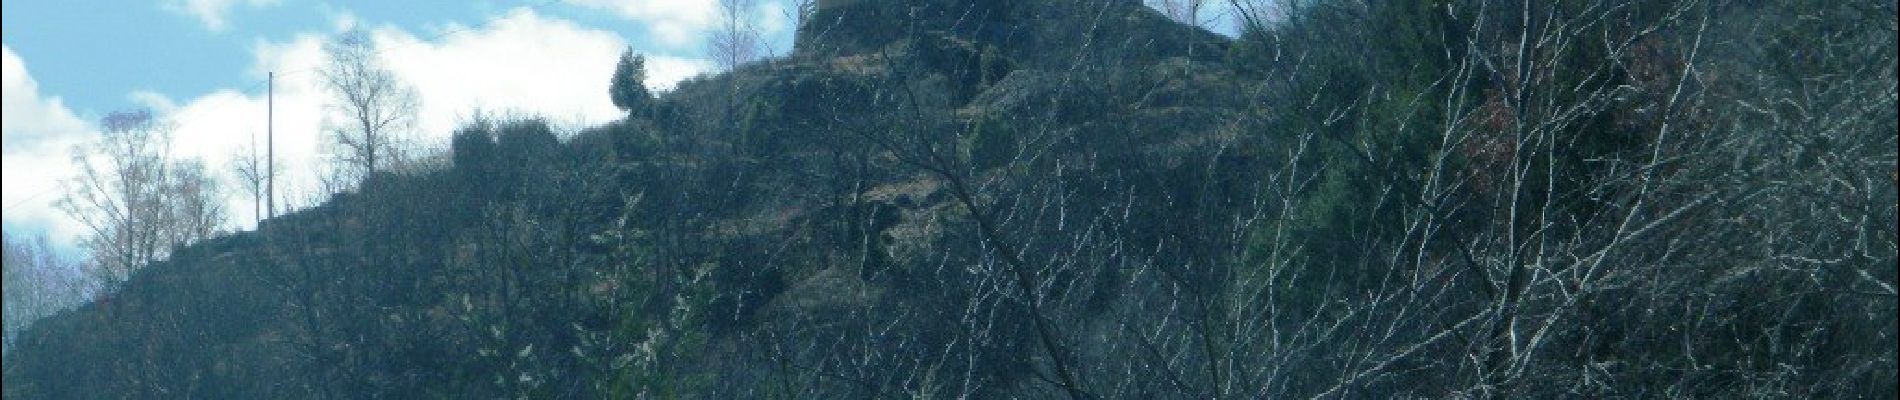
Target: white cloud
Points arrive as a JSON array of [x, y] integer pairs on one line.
[[663, 72], [342, 20], [39, 132], [30, 118], [159, 104], [675, 23], [774, 18], [520, 62], [213, 13]]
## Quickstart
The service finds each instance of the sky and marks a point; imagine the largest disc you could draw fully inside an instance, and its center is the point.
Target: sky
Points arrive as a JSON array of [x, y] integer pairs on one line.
[[202, 65]]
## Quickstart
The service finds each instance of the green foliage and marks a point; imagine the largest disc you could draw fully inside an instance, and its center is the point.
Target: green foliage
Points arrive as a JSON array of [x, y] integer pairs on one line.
[[1374, 115], [628, 89], [526, 141], [473, 151], [1326, 214], [473, 148], [991, 142]]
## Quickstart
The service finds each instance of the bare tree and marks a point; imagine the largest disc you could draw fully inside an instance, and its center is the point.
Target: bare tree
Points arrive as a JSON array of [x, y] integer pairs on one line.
[[253, 172], [134, 199], [1514, 259], [117, 193], [802, 11], [38, 282], [736, 40], [195, 199], [14, 285], [375, 106]]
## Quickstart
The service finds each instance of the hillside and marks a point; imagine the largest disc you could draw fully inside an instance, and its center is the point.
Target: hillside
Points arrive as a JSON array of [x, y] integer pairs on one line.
[[1084, 199]]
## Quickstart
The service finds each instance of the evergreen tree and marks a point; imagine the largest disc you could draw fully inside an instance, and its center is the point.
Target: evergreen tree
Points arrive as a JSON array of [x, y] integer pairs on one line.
[[628, 90]]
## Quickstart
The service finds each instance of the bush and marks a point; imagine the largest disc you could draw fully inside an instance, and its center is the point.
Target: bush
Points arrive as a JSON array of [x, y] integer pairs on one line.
[[473, 149]]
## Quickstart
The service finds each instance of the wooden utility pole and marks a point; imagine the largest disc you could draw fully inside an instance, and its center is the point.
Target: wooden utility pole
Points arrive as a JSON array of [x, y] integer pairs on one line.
[[270, 142]]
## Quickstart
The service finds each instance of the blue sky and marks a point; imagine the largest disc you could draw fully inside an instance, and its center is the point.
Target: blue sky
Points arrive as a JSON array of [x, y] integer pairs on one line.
[[94, 53], [200, 64]]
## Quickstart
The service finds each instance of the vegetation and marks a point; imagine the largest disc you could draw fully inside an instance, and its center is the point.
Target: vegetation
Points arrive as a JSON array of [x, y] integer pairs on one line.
[[37, 282], [1086, 199], [136, 200], [375, 108], [628, 89]]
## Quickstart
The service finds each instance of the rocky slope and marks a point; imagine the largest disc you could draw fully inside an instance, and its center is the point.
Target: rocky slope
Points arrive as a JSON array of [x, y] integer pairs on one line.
[[1079, 198]]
